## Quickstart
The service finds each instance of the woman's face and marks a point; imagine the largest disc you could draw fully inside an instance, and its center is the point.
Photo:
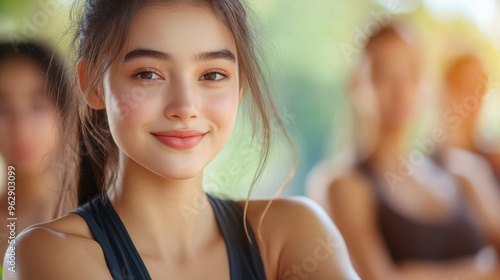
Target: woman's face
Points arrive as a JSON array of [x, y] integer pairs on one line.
[[466, 88], [27, 118], [172, 94], [395, 78]]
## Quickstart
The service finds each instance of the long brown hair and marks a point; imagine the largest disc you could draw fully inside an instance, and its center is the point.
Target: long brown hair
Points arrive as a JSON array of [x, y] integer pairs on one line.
[[102, 32]]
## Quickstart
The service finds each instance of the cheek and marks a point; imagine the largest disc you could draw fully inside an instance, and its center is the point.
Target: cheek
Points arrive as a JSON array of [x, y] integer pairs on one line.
[[50, 126], [122, 104], [383, 96], [222, 110], [5, 131], [47, 130], [128, 108]]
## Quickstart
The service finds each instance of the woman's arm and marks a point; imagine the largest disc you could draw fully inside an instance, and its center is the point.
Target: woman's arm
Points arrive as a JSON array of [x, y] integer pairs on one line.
[[484, 200], [480, 189]]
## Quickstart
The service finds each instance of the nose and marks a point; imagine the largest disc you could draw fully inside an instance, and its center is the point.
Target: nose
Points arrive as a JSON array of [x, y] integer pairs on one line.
[[181, 101]]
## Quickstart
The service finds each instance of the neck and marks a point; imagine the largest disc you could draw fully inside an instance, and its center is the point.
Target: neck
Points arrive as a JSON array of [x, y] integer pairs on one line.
[[162, 215], [461, 138], [391, 146], [36, 197]]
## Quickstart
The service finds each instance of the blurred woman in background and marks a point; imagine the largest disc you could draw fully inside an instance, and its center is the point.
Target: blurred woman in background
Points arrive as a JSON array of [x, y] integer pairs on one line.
[[466, 86], [401, 214], [37, 126], [463, 153]]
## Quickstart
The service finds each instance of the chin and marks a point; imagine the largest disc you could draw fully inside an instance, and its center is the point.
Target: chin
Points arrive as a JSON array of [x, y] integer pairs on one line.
[[179, 172]]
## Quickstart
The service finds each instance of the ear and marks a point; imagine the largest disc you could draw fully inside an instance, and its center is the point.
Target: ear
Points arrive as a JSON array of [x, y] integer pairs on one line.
[[93, 98]]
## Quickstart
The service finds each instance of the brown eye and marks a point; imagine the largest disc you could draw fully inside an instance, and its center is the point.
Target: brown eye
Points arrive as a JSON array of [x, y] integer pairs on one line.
[[147, 75], [213, 76], [210, 76]]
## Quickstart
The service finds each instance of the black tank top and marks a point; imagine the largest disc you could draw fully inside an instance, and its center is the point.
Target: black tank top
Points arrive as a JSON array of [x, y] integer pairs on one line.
[[124, 262], [407, 239]]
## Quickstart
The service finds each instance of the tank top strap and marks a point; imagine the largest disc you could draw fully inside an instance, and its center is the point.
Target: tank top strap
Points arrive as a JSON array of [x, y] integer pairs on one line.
[[122, 258], [245, 261], [375, 183]]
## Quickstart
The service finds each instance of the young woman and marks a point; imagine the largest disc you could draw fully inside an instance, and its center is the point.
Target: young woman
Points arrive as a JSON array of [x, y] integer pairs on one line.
[[464, 153], [402, 215], [465, 87], [34, 93], [167, 77]]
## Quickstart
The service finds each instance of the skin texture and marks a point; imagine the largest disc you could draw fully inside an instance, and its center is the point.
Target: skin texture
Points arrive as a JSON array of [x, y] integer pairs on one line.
[[156, 181], [29, 130], [428, 195]]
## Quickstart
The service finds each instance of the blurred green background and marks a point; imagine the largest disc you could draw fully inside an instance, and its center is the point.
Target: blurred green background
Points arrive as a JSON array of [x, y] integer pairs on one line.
[[311, 47]]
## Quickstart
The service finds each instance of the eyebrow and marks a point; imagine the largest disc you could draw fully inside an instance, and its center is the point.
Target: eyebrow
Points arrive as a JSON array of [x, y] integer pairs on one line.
[[148, 53], [219, 54]]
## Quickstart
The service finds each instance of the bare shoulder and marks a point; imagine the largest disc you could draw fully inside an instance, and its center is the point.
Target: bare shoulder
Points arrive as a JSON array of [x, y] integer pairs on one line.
[[350, 201], [321, 175], [296, 218], [60, 249], [285, 210], [351, 186], [299, 239], [351, 181], [328, 178]]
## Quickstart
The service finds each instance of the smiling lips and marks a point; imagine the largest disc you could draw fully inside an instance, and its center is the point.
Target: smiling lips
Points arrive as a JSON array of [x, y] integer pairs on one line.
[[179, 139]]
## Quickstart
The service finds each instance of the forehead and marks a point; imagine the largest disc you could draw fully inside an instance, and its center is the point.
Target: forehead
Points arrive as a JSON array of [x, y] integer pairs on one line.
[[469, 67], [179, 29], [19, 78], [394, 53], [392, 47]]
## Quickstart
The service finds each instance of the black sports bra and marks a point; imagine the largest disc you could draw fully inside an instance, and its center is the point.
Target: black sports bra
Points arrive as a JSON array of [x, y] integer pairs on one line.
[[407, 239], [124, 262]]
